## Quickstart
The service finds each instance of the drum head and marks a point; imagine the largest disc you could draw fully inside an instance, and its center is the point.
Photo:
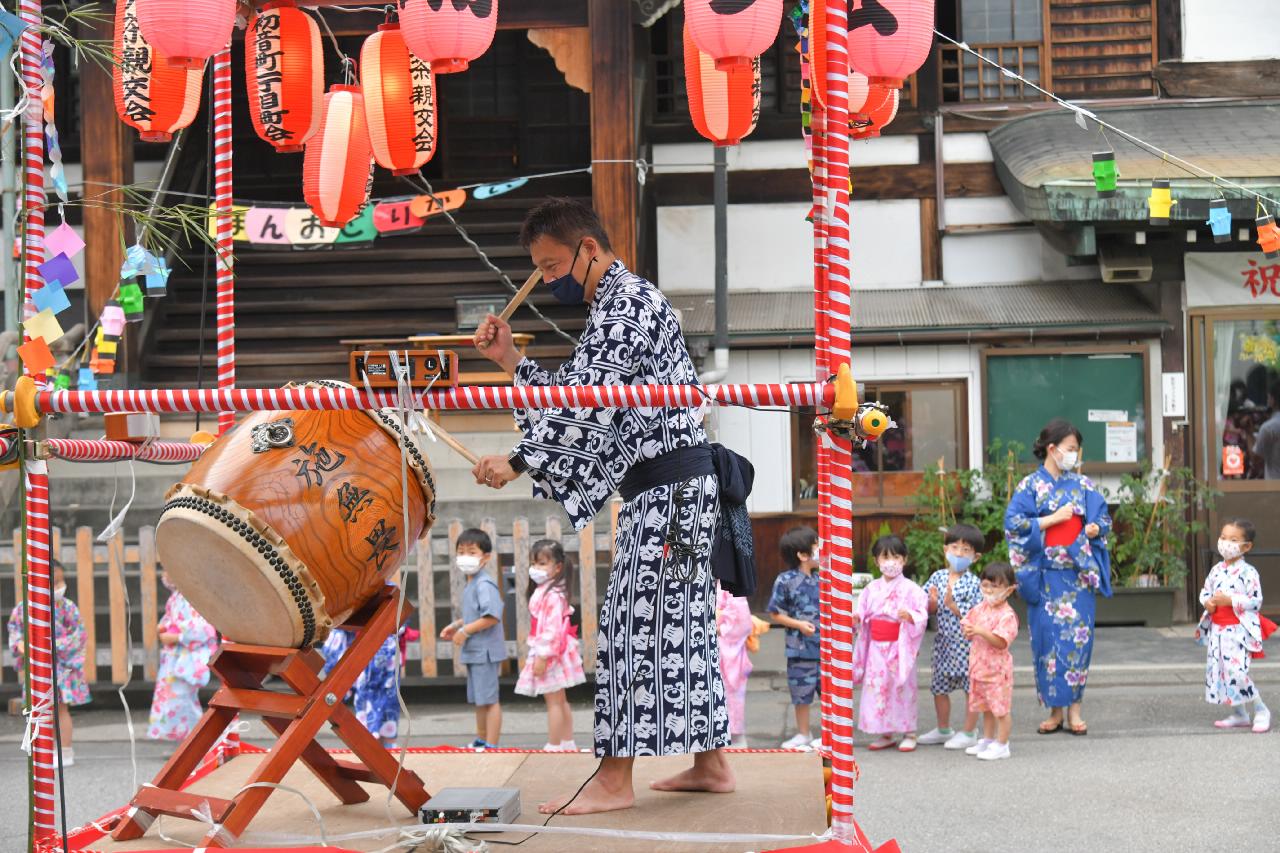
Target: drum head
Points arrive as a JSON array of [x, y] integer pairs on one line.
[[234, 584]]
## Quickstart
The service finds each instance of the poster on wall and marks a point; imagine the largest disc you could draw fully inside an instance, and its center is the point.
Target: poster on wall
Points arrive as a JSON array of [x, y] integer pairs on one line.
[[1122, 442]]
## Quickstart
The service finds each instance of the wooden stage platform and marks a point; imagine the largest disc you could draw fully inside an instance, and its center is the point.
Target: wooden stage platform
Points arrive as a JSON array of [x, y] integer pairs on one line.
[[779, 793]]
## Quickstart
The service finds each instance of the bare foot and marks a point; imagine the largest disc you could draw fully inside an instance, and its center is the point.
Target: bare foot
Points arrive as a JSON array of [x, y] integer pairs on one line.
[[710, 775], [596, 797]]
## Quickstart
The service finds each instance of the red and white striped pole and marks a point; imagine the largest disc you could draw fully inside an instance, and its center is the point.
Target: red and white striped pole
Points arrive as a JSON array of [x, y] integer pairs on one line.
[[840, 510], [226, 282], [33, 163], [39, 652]]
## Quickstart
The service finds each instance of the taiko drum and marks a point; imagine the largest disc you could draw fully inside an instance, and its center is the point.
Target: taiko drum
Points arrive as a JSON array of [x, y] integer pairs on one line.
[[293, 520]]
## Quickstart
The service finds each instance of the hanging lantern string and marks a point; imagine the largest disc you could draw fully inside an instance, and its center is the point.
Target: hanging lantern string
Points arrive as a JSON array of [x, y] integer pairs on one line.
[[346, 60], [1194, 170]]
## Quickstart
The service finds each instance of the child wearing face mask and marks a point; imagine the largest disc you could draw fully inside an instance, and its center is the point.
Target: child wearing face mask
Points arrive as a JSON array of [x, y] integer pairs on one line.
[[555, 659], [1232, 629], [991, 628], [890, 616], [953, 592], [479, 633], [187, 643], [794, 605], [69, 649]]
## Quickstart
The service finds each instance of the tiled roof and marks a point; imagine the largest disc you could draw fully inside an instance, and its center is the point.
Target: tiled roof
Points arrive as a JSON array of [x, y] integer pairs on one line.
[[1017, 306]]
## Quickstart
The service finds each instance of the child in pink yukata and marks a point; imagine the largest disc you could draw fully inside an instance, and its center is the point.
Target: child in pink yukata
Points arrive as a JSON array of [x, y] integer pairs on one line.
[[554, 662], [890, 617], [991, 628], [187, 644]]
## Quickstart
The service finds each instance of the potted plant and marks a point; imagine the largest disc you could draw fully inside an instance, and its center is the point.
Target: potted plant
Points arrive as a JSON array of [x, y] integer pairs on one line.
[[1156, 512]]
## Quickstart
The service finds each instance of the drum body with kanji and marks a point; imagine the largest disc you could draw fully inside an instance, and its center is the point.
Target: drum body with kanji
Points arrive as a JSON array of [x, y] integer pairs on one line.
[[292, 520]]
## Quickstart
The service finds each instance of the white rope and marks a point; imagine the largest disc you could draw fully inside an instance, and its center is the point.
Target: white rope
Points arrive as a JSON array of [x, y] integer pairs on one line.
[[38, 715], [1083, 114]]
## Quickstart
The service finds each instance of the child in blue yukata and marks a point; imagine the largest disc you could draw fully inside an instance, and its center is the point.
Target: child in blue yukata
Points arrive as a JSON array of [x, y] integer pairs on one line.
[[479, 632], [794, 605], [375, 697], [953, 592]]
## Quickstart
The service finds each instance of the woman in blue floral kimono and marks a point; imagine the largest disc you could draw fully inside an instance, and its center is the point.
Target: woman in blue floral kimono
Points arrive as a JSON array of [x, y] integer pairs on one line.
[[658, 685], [1056, 526]]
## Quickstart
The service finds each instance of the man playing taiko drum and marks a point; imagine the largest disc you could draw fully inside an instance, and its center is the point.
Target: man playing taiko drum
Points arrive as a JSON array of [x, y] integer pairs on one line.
[[658, 684]]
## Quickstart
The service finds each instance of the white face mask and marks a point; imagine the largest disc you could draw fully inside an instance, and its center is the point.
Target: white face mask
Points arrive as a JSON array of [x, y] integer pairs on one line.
[[1229, 550], [891, 567], [60, 592], [993, 599], [468, 564], [1068, 459], [539, 576]]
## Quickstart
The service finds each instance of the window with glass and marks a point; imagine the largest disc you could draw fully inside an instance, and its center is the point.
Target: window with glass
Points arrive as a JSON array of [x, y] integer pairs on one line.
[[931, 429], [1009, 32], [1246, 398]]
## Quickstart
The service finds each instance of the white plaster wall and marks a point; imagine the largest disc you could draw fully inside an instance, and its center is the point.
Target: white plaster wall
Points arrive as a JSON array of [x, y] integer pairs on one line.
[[1002, 257], [885, 243], [770, 247], [781, 154], [1230, 30], [965, 148], [997, 210]]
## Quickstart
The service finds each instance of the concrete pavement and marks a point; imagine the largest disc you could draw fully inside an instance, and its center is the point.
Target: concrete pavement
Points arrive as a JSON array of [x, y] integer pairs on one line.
[[1153, 774]]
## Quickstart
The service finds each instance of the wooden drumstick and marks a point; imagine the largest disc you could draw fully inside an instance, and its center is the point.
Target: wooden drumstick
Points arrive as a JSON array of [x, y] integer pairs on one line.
[[529, 284], [462, 450]]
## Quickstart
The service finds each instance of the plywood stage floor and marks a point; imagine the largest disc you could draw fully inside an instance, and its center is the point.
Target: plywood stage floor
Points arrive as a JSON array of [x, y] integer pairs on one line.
[[779, 793]]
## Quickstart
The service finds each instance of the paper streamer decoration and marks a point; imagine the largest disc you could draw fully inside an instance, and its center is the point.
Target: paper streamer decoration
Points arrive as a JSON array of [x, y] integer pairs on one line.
[[35, 355], [11, 26], [359, 230], [131, 301], [392, 216], [51, 297], [63, 240], [303, 228], [425, 205], [491, 190], [111, 321], [267, 225], [59, 270], [86, 381], [43, 325]]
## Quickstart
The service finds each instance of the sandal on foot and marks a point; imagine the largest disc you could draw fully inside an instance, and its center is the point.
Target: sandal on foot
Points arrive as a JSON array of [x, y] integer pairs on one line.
[[883, 742], [908, 744], [1048, 727], [1078, 729]]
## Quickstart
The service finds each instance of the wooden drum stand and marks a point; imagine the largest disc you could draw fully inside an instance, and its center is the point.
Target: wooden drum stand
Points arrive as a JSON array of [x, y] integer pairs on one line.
[[296, 717]]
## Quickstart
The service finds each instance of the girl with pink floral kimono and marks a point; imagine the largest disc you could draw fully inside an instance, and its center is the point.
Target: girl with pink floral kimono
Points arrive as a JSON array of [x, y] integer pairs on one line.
[[555, 660], [187, 643], [733, 619], [890, 617]]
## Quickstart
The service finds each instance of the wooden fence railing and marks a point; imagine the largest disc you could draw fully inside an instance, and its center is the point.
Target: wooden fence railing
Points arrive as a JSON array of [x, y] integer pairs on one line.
[[117, 588]]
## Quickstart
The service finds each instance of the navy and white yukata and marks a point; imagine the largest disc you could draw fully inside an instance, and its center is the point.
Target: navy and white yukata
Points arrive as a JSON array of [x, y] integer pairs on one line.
[[950, 648], [658, 685]]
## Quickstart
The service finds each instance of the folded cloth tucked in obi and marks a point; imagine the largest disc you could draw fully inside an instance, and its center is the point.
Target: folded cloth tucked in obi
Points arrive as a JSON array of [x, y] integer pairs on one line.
[[884, 630]]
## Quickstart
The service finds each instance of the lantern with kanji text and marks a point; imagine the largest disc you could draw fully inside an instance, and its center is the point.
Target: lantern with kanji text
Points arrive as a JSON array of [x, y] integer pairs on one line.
[[399, 102], [449, 34], [889, 39], [187, 32], [284, 74], [733, 32], [153, 97], [337, 168]]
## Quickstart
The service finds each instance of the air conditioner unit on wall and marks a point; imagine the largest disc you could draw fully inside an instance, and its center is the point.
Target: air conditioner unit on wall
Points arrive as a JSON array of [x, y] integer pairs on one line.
[[1124, 264]]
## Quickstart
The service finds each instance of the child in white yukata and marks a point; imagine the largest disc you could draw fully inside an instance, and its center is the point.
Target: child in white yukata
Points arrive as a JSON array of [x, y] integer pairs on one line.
[[953, 592], [1232, 629]]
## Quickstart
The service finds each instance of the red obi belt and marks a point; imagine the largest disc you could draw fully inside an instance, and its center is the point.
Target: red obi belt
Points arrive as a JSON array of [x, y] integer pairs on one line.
[[1225, 616], [884, 630]]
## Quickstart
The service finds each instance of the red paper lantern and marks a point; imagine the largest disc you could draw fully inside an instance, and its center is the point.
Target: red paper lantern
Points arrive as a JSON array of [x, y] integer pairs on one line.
[[724, 105], [448, 34], [337, 168], [151, 96], [733, 32], [187, 32], [880, 108], [890, 39], [399, 102], [284, 75]]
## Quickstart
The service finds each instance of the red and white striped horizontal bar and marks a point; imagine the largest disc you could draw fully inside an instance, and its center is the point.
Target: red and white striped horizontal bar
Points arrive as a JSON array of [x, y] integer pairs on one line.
[[89, 450], [802, 394]]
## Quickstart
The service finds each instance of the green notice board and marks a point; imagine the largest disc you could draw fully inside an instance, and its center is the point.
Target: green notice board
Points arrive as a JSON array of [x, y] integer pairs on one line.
[[1024, 391]]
